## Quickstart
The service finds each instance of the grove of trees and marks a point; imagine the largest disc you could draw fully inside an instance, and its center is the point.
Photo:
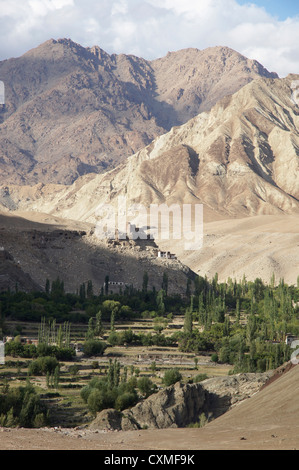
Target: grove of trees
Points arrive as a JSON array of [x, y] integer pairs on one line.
[[241, 323]]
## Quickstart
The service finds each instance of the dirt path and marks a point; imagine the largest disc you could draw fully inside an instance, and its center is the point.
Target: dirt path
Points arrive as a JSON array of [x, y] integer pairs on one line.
[[273, 437]]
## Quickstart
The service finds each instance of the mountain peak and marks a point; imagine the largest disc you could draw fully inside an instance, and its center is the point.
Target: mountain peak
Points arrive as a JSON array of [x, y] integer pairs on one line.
[[86, 111]]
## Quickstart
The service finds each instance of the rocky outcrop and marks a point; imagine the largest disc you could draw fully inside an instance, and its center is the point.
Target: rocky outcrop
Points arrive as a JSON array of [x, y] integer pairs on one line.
[[176, 406], [223, 393], [179, 405], [109, 419]]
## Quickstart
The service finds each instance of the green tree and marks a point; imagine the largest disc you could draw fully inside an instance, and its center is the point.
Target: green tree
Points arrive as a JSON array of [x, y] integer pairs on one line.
[[47, 287], [160, 302], [98, 324], [56, 376], [164, 286], [82, 293], [57, 290], [188, 288], [90, 334], [89, 290], [238, 311], [94, 347], [171, 377], [106, 284], [146, 386], [145, 282], [188, 322]]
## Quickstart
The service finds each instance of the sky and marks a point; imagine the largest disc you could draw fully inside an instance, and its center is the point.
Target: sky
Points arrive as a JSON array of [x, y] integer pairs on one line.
[[264, 30]]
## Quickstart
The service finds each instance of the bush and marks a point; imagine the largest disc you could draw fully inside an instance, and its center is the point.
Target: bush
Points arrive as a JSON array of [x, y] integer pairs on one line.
[[43, 365], [64, 354], [125, 337], [199, 378], [96, 401], [146, 386], [126, 400], [99, 395], [214, 357], [17, 349], [85, 392], [171, 377], [94, 347], [13, 348], [115, 339], [74, 369], [43, 350], [22, 407]]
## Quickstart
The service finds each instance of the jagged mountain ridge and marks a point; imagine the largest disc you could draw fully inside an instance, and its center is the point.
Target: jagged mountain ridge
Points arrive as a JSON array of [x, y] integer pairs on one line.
[[72, 110], [240, 159]]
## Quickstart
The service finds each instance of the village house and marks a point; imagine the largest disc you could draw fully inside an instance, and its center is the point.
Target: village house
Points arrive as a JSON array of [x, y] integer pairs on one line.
[[116, 286], [166, 255], [23, 340]]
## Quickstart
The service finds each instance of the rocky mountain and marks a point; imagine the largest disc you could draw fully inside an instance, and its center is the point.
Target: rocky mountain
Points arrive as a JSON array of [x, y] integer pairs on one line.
[[71, 111], [240, 159]]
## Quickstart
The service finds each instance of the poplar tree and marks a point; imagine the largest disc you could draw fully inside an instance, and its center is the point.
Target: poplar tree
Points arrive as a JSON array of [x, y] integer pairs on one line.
[[188, 323], [98, 324], [145, 282]]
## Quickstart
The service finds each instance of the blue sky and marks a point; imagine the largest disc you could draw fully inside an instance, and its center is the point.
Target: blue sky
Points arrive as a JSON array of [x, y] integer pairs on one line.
[[282, 9], [264, 30]]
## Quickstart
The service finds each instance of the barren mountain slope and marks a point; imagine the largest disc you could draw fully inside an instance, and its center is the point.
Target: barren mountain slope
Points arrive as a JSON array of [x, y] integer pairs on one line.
[[72, 110], [192, 80], [255, 247], [46, 247], [67, 114], [12, 275], [240, 159]]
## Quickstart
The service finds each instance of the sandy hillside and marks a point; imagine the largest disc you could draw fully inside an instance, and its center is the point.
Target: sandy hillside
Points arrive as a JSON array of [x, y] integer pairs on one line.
[[267, 421], [255, 246]]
